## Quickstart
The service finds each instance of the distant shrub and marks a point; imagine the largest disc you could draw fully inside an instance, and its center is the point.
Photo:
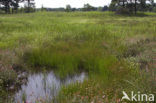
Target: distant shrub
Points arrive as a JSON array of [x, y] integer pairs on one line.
[[154, 9], [121, 10]]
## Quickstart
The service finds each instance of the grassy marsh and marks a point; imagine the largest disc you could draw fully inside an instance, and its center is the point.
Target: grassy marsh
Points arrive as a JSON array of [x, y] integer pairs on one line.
[[99, 43]]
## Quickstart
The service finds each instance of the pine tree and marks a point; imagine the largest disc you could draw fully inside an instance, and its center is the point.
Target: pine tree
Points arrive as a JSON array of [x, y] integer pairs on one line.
[[30, 4], [7, 4]]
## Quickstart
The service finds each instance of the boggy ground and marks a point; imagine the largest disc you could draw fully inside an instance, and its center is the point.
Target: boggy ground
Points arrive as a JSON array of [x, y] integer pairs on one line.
[[117, 52]]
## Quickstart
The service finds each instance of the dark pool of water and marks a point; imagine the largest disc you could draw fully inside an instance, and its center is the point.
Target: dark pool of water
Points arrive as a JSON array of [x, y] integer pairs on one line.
[[44, 86]]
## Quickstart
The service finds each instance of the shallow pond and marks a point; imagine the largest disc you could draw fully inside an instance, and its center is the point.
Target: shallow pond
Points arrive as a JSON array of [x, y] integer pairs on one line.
[[44, 86]]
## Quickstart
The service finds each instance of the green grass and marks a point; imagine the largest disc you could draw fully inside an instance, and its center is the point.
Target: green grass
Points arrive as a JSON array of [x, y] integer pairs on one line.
[[99, 43]]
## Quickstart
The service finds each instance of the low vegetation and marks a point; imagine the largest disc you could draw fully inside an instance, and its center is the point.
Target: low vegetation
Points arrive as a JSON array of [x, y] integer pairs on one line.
[[117, 52]]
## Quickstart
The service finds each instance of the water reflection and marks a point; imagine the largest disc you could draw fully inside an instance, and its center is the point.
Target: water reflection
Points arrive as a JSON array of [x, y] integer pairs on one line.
[[43, 86]]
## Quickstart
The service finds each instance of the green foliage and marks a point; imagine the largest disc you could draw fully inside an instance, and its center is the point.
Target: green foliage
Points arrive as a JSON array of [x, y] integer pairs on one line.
[[113, 6], [88, 7]]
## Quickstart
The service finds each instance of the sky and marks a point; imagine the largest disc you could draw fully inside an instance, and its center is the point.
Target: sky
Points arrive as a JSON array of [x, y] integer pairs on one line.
[[73, 3]]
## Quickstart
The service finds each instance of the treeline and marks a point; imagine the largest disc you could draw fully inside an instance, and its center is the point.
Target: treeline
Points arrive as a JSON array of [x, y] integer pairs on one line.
[[12, 6], [87, 7], [132, 6], [119, 6]]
